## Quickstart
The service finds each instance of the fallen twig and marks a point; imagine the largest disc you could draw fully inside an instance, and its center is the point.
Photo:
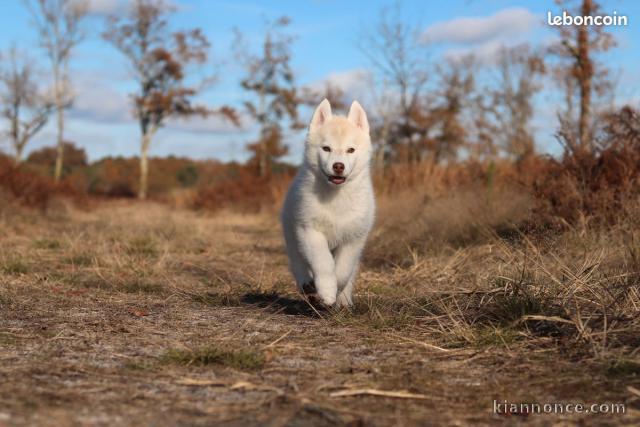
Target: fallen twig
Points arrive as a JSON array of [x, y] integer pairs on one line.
[[374, 392], [202, 383], [422, 343], [633, 390], [278, 340]]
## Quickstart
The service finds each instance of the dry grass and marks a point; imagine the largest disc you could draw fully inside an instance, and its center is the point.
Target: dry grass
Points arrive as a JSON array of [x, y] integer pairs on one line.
[[412, 221], [580, 286], [141, 314]]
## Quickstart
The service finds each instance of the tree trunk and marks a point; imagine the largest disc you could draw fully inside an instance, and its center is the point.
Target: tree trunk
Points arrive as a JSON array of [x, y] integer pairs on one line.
[[144, 165], [262, 169], [262, 155], [585, 67], [60, 145], [379, 154], [18, 156], [60, 114], [15, 134]]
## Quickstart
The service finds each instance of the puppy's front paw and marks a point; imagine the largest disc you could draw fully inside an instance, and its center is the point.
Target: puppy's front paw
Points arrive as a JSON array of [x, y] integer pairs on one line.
[[310, 293], [328, 299], [344, 300]]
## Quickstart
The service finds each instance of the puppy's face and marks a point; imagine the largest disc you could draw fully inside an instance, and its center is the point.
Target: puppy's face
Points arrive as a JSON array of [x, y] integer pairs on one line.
[[338, 148]]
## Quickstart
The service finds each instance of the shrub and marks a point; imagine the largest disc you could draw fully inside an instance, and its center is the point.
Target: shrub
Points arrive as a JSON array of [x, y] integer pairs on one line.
[[30, 188], [244, 191], [596, 184]]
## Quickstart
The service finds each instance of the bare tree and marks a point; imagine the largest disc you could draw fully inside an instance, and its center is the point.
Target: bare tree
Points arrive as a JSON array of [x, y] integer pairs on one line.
[[483, 127], [329, 91], [271, 79], [394, 49], [58, 24], [510, 99], [454, 94], [160, 62], [23, 105], [578, 45], [381, 121]]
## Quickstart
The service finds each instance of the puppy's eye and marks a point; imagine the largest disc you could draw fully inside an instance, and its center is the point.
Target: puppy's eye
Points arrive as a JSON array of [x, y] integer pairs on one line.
[[351, 150], [325, 148]]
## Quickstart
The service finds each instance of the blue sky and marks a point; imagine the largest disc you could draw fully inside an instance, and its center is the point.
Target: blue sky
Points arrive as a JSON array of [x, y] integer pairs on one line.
[[325, 49]]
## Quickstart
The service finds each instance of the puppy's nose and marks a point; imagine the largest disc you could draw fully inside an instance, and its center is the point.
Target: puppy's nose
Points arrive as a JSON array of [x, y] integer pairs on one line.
[[338, 168]]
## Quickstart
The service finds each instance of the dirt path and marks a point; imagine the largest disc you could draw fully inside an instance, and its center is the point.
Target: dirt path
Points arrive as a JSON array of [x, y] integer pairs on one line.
[[140, 315]]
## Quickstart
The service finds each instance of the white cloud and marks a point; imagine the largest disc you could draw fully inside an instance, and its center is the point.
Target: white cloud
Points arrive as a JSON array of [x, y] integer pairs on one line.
[[466, 30], [215, 124], [106, 7], [196, 146], [97, 101], [486, 53], [354, 83]]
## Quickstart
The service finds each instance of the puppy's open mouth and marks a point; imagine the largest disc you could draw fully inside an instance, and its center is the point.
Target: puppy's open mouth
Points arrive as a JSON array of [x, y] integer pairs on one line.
[[337, 180]]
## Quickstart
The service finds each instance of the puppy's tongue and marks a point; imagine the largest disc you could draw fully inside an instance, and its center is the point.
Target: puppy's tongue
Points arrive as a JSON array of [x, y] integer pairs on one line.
[[337, 179]]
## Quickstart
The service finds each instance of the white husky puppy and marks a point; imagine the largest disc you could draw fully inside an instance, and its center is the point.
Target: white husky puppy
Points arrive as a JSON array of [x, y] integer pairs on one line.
[[329, 209]]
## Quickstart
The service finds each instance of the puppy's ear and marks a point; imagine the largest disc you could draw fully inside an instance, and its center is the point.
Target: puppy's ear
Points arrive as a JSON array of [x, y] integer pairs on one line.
[[358, 117], [320, 116]]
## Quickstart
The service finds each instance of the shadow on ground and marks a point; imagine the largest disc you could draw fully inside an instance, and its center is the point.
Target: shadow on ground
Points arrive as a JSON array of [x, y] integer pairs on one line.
[[276, 303]]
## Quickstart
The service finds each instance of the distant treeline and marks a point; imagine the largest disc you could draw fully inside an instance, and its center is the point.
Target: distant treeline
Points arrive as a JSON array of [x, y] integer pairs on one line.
[[599, 185], [119, 176]]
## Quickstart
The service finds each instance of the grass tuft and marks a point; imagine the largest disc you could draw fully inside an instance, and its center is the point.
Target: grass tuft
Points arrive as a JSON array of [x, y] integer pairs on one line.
[[141, 246], [50, 244], [246, 360], [142, 286], [15, 267], [624, 368], [7, 339], [140, 364], [79, 260], [496, 337], [384, 312]]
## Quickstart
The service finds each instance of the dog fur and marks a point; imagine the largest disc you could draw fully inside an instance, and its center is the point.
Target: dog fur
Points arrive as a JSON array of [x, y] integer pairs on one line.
[[327, 215]]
